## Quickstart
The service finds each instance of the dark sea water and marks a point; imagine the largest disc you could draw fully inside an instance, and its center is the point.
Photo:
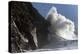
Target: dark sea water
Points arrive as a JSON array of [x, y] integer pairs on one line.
[[69, 11]]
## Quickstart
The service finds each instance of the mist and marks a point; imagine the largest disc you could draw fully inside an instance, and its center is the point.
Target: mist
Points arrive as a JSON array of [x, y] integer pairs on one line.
[[61, 27]]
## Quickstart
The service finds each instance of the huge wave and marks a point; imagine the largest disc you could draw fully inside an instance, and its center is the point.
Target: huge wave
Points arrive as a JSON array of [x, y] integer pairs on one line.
[[61, 27]]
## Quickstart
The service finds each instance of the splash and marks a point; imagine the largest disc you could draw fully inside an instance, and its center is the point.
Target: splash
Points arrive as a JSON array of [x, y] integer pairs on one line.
[[60, 25]]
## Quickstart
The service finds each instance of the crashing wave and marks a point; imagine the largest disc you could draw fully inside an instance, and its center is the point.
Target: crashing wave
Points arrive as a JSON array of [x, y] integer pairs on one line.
[[60, 25]]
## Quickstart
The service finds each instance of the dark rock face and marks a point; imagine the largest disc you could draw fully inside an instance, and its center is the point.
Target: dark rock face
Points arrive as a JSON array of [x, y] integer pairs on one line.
[[24, 18]]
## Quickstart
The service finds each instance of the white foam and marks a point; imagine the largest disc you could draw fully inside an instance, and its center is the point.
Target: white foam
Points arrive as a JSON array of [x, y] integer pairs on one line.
[[62, 26]]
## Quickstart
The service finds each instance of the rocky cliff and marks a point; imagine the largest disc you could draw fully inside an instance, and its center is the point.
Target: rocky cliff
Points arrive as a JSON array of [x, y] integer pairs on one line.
[[23, 18]]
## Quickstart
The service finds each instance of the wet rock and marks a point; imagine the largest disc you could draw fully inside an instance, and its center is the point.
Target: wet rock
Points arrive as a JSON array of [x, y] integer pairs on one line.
[[22, 20]]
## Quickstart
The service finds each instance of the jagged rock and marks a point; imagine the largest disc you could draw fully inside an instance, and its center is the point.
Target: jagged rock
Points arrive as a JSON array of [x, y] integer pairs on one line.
[[22, 20]]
